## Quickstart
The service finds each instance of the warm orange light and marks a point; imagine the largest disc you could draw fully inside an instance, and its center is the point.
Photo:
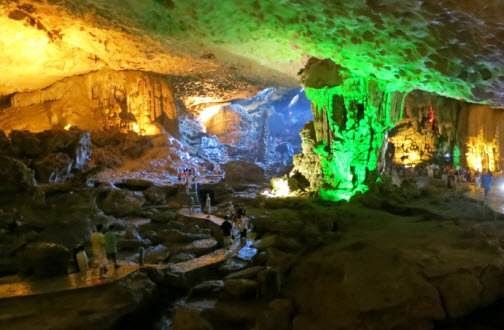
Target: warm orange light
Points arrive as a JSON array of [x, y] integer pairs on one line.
[[481, 154], [207, 113]]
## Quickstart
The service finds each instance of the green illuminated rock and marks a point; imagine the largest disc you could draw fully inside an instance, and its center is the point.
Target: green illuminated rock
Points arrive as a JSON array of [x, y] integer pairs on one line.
[[351, 121]]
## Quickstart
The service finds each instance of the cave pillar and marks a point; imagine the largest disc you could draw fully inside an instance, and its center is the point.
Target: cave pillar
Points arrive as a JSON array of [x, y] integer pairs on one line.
[[352, 115]]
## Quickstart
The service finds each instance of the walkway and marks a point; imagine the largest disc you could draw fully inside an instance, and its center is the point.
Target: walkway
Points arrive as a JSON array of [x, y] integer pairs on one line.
[[64, 283], [75, 281], [495, 199], [200, 216]]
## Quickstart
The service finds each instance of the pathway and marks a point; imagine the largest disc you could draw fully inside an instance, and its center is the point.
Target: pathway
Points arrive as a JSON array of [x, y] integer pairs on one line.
[[63, 283], [495, 199], [75, 281]]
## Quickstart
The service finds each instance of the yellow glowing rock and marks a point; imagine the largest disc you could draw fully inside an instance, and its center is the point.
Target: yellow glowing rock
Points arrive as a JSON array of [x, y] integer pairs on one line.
[[125, 99]]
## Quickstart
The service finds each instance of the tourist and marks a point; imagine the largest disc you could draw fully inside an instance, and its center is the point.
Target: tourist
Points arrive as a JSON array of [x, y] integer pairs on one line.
[[477, 179], [81, 260], [226, 232], [243, 228], [191, 205], [208, 205], [487, 182], [99, 255], [111, 245], [231, 210]]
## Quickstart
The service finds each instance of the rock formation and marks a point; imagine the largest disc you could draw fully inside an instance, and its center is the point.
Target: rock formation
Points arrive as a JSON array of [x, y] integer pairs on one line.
[[136, 101]]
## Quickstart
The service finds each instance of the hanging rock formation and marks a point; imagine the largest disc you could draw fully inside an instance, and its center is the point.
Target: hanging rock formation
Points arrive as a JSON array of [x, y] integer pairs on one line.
[[351, 114], [131, 100]]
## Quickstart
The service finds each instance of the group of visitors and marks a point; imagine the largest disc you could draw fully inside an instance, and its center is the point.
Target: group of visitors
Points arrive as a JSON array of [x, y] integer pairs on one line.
[[184, 174], [239, 220], [104, 247]]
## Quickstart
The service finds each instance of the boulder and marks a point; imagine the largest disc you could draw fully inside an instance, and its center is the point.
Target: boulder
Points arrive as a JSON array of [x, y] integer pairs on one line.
[[15, 176], [155, 254], [277, 317], [232, 265], [155, 195], [240, 287], [207, 289], [270, 283], [53, 167], [122, 202], [131, 233], [190, 319], [163, 216], [155, 275], [132, 244], [265, 242], [45, 259], [279, 259], [25, 143], [246, 273], [176, 236], [241, 172], [200, 247], [5, 145]]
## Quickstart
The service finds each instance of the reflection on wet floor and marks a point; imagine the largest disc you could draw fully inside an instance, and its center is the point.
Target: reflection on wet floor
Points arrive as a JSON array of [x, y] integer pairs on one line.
[[63, 283], [495, 199]]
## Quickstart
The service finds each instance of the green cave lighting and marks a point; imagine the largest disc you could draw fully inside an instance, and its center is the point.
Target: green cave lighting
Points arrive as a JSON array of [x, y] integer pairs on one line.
[[359, 114], [456, 156]]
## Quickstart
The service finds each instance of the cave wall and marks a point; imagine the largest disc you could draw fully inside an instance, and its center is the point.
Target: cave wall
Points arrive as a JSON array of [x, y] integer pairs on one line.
[[131, 100], [428, 128], [433, 126], [481, 133]]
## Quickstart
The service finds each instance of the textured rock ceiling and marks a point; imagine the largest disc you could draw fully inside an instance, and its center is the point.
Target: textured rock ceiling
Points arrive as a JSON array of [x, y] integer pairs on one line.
[[452, 48]]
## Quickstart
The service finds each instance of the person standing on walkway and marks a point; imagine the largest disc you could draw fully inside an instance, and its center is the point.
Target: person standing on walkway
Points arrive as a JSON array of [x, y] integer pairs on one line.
[[477, 178], [191, 205], [226, 232], [111, 245], [487, 182], [231, 210], [208, 205], [81, 260], [98, 244]]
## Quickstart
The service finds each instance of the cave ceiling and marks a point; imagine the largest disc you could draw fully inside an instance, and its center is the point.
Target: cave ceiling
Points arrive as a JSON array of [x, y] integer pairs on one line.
[[453, 48]]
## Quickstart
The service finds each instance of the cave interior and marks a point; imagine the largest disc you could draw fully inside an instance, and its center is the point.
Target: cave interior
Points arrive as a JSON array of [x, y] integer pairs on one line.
[[359, 143]]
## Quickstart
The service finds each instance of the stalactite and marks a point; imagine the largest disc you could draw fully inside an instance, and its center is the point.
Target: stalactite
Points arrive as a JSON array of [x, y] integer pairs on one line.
[[359, 113]]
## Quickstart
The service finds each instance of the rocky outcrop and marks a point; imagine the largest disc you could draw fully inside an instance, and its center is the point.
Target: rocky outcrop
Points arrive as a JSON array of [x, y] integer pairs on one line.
[[45, 259], [240, 172], [122, 202], [15, 176], [411, 287], [307, 163], [136, 101], [230, 125], [52, 154]]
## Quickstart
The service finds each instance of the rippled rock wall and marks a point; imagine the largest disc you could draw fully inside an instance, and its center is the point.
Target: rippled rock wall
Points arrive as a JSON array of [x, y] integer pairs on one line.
[[130, 100]]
